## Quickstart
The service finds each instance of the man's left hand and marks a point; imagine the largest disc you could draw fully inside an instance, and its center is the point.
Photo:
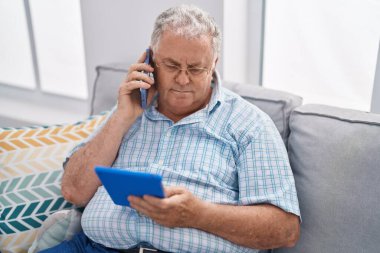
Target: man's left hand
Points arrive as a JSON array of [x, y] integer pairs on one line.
[[179, 208]]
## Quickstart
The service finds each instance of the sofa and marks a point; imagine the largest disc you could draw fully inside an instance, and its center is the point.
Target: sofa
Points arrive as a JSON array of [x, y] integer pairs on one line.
[[334, 154]]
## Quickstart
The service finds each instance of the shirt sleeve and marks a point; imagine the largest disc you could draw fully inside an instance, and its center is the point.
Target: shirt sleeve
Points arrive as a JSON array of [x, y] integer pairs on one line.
[[264, 171], [90, 137]]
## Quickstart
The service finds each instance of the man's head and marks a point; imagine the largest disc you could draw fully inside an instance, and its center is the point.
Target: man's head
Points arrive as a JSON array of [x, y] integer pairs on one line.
[[187, 21], [185, 44]]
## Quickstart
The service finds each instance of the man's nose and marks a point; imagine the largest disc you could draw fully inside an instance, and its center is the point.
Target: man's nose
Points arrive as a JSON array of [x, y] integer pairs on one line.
[[182, 77]]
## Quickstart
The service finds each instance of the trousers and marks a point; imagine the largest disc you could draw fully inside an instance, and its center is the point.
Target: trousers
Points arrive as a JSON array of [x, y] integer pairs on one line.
[[80, 243]]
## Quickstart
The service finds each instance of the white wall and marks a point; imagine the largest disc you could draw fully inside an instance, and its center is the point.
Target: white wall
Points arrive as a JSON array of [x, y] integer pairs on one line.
[[375, 105], [119, 31], [235, 40], [243, 40], [324, 51]]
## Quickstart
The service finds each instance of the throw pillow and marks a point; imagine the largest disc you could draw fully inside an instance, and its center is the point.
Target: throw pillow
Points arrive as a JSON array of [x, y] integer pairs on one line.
[[30, 175], [58, 227]]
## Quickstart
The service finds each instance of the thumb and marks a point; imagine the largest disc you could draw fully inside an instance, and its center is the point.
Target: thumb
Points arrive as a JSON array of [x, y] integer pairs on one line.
[[173, 190], [151, 93]]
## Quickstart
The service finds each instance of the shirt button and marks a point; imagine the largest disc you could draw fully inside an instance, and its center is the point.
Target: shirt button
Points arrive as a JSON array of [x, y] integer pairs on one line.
[[168, 134], [160, 162]]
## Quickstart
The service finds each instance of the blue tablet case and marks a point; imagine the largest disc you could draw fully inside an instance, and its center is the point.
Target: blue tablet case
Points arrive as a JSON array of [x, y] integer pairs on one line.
[[121, 183]]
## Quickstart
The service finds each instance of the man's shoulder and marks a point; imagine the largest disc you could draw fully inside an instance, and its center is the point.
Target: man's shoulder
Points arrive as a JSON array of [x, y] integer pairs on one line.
[[244, 120], [238, 117], [239, 106]]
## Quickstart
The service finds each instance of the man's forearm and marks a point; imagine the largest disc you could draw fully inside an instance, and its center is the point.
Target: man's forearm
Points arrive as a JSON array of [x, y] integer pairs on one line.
[[79, 181], [259, 226]]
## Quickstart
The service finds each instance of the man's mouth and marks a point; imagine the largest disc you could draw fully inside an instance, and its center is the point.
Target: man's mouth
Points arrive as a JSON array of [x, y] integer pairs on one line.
[[181, 91]]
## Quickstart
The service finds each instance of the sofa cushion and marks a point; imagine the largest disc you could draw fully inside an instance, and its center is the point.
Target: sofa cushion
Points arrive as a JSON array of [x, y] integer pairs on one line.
[[335, 157], [106, 86], [277, 104], [30, 172], [58, 227]]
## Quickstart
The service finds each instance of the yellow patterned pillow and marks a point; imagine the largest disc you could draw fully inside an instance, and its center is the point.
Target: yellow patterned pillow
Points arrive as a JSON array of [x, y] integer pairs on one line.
[[30, 175]]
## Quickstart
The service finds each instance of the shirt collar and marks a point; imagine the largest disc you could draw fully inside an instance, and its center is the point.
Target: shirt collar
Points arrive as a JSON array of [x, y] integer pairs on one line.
[[216, 97], [215, 100]]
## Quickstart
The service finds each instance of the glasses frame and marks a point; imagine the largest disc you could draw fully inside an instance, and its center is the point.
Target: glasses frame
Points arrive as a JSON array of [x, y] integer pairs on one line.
[[186, 70]]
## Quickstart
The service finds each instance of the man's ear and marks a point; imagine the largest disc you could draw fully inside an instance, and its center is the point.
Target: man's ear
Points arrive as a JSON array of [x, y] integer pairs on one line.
[[151, 54], [215, 62]]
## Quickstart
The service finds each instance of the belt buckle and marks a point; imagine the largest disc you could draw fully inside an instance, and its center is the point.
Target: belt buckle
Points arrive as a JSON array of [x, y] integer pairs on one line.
[[143, 250]]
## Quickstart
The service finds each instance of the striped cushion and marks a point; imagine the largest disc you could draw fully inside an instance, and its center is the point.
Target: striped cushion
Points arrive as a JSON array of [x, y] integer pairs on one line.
[[30, 174]]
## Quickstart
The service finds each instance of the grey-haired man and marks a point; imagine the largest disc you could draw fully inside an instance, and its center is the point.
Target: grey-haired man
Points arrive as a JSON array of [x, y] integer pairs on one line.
[[228, 183]]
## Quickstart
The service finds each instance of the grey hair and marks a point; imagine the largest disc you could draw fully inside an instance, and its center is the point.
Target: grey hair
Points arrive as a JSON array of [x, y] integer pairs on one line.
[[188, 21]]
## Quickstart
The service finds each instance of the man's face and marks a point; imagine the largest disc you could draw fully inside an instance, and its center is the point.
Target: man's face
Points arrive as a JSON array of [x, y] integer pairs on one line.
[[183, 92]]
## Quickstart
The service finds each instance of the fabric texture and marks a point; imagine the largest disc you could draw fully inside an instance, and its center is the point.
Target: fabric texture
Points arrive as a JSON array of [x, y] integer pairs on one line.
[[106, 86], [277, 104], [30, 173], [335, 157], [80, 243], [230, 152], [58, 227]]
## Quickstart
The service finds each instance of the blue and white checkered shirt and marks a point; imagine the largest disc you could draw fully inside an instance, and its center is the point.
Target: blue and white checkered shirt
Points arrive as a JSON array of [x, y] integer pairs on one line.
[[229, 152]]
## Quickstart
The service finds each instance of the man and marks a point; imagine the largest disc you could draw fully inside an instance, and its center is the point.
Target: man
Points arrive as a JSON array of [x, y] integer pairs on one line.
[[228, 183]]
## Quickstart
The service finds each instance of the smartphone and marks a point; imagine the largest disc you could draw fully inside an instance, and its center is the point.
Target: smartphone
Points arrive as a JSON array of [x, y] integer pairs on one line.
[[144, 92]]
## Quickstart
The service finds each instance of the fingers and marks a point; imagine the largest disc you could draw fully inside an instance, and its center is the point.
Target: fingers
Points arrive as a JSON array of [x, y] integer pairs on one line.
[[145, 207], [136, 72], [140, 204], [173, 190], [127, 88], [157, 202], [150, 203], [136, 76], [140, 67], [176, 211]]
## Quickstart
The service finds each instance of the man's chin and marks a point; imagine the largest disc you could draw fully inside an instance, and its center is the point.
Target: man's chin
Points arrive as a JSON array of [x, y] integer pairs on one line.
[[182, 107], [181, 101]]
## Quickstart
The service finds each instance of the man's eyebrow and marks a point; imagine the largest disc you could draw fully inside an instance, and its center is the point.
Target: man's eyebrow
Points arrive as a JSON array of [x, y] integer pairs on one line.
[[171, 61], [195, 64]]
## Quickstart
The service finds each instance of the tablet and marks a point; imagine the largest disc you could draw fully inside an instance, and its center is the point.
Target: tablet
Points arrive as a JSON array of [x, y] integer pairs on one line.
[[121, 183]]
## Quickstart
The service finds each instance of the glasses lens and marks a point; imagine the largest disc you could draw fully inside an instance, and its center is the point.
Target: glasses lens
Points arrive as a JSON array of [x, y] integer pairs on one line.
[[170, 67], [196, 71], [192, 72]]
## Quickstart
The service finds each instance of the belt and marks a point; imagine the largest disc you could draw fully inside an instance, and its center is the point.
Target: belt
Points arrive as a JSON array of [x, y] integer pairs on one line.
[[142, 250]]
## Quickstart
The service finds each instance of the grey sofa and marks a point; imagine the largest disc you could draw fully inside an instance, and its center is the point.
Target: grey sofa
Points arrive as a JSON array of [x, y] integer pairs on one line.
[[335, 158]]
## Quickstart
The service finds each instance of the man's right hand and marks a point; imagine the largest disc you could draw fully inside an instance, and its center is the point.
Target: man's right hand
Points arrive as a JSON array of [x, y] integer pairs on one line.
[[129, 103], [79, 182]]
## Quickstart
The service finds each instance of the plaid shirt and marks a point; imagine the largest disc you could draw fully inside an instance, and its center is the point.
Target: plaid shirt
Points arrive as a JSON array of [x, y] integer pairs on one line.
[[229, 152]]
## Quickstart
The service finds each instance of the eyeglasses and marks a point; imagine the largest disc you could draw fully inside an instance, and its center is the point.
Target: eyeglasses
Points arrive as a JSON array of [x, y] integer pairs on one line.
[[193, 72]]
